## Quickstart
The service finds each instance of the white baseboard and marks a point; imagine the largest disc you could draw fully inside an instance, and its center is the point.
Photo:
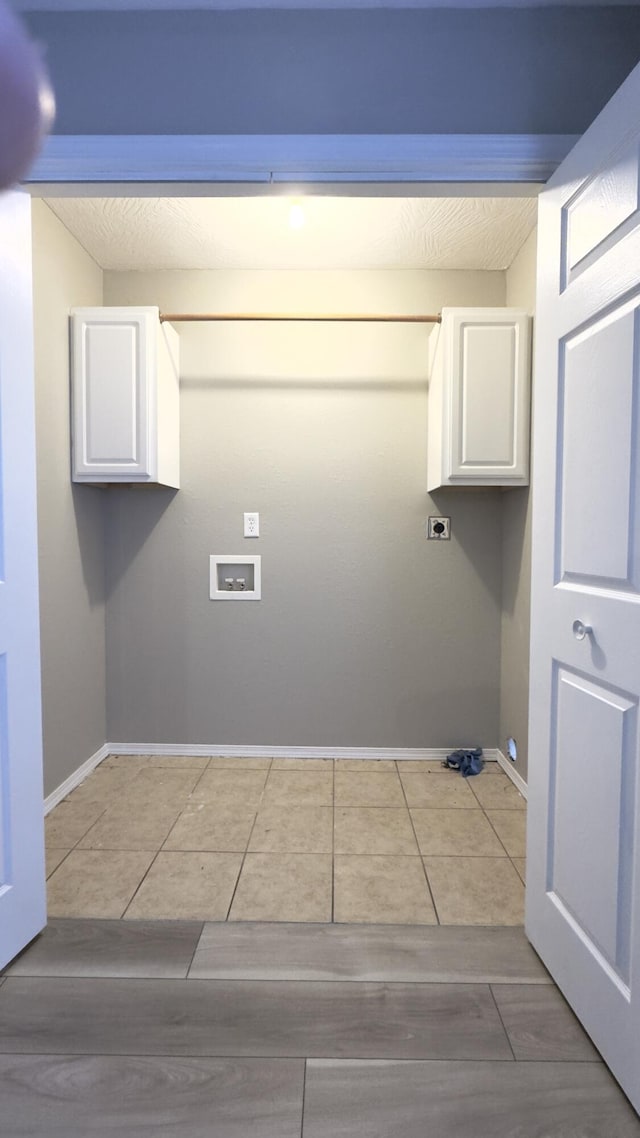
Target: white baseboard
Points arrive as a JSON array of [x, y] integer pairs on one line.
[[399, 753], [491, 754], [75, 779], [511, 771]]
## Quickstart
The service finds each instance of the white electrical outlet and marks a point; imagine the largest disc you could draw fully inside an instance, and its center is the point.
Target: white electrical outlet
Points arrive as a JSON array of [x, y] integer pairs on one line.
[[252, 525]]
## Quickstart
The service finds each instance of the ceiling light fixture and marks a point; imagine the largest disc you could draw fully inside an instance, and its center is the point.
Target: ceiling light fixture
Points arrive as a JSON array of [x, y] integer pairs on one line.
[[296, 215]]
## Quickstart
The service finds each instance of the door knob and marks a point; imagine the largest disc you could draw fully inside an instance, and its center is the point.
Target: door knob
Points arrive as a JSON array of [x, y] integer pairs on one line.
[[581, 630]]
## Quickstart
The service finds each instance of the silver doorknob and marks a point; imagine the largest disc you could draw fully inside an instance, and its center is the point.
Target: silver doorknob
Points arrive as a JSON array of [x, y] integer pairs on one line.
[[581, 630]]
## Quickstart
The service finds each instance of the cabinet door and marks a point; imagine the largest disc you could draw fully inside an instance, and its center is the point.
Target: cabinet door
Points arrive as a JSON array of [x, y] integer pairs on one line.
[[489, 397], [111, 366]]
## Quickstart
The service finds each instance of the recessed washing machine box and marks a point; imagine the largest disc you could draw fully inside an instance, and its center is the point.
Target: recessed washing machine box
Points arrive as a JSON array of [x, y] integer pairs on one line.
[[234, 577]]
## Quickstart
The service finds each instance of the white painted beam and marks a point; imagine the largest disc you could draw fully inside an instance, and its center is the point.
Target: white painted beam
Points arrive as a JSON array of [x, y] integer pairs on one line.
[[289, 159]]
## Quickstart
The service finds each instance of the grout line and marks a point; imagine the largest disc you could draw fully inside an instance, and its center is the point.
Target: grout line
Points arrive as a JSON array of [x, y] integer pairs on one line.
[[244, 855], [498, 835], [85, 832], [362, 806], [161, 849], [169, 832], [493, 996], [244, 858], [60, 863], [470, 781], [304, 1094], [198, 781], [141, 882], [333, 850], [424, 868], [513, 862]]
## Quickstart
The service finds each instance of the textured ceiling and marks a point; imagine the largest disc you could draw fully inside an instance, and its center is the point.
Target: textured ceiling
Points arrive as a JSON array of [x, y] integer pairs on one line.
[[338, 233]]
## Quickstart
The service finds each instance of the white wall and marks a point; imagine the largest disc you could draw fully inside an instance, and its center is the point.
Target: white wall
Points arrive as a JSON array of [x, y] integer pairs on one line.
[[521, 276], [367, 634], [516, 558], [70, 518]]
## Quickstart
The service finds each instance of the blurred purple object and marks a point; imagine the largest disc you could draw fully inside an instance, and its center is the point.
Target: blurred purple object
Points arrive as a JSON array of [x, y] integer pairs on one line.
[[27, 104]]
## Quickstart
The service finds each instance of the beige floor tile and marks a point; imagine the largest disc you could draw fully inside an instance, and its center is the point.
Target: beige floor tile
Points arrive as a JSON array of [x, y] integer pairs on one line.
[[303, 829], [295, 788], [69, 821], [130, 761], [187, 886], [373, 830], [223, 828], [231, 786], [366, 766], [455, 833], [422, 766], [476, 891], [238, 762], [368, 789], [284, 887], [162, 784], [521, 866], [96, 883], [511, 828], [302, 764], [451, 793], [132, 825], [495, 791], [382, 890], [53, 859], [181, 762], [104, 784]]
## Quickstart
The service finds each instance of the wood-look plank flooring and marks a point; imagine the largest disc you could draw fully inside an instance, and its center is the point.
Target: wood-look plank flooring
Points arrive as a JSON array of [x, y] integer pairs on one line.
[[474, 1100], [113, 1029], [145, 949], [367, 952]]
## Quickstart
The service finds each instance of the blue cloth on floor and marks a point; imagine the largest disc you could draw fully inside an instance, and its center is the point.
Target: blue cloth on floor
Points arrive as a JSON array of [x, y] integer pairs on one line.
[[468, 761]]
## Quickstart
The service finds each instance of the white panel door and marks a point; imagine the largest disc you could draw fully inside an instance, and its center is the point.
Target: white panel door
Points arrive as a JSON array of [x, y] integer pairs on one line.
[[22, 876], [583, 870]]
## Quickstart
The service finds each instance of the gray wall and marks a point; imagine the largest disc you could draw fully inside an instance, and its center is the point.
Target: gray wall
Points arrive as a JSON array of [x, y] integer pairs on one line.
[[529, 70], [516, 559], [367, 634], [70, 518]]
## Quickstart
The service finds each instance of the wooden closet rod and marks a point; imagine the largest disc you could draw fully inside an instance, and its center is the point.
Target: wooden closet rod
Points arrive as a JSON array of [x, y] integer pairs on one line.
[[348, 318]]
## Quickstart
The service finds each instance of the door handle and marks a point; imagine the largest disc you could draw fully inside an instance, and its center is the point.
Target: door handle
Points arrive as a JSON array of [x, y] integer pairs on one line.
[[580, 630]]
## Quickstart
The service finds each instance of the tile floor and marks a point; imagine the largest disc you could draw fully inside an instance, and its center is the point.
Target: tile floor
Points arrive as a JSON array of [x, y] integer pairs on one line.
[[303, 840]]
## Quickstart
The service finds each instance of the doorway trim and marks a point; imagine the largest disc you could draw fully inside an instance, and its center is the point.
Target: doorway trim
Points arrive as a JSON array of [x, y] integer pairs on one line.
[[198, 162]]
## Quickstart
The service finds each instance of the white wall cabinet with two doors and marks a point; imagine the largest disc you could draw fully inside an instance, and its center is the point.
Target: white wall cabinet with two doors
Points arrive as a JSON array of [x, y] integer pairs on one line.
[[125, 394], [126, 398], [479, 397]]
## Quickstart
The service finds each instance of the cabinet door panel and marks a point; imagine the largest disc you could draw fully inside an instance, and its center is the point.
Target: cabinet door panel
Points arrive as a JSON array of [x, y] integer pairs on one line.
[[489, 397], [487, 364], [110, 397]]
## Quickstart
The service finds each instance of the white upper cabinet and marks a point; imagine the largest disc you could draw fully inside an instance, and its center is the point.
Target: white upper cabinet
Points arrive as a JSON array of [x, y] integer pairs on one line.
[[125, 395], [479, 395]]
